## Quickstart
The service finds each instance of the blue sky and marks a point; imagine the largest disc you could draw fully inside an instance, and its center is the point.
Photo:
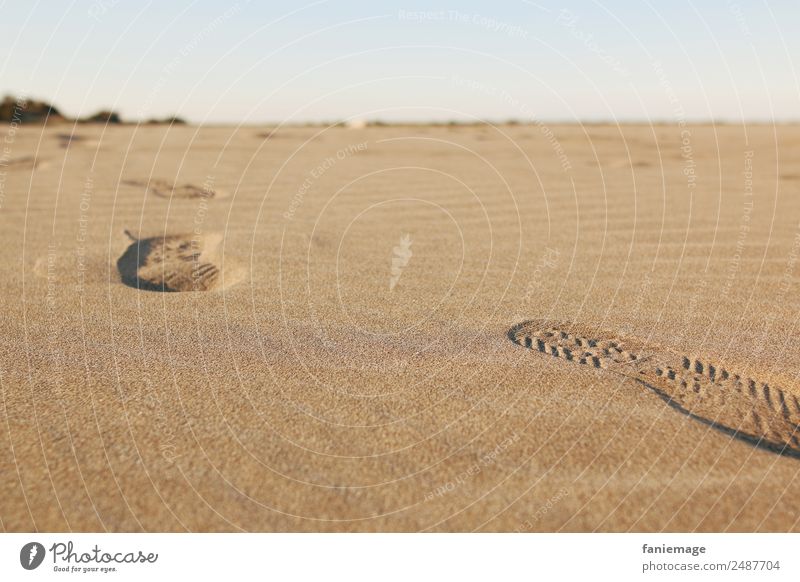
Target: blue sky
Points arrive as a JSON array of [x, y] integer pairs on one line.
[[256, 62]]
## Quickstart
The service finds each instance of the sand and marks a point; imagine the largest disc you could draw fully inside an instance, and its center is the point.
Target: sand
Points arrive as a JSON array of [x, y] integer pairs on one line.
[[308, 329]]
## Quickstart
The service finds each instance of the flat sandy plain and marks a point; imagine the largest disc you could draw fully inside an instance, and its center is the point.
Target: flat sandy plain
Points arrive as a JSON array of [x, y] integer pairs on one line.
[[453, 328]]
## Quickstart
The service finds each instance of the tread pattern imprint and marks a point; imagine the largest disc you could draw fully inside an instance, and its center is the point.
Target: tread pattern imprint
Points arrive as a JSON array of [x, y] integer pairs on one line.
[[176, 263], [746, 408]]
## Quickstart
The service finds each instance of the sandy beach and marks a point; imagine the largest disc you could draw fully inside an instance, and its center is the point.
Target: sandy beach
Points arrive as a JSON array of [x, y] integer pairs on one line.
[[400, 328]]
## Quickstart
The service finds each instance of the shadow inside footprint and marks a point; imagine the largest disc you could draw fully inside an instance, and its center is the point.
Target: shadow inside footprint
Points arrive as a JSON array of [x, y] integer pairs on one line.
[[765, 416], [174, 263], [135, 257]]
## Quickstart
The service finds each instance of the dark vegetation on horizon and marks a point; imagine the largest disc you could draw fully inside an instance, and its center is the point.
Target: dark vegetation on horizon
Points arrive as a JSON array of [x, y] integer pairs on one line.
[[17, 110], [14, 109]]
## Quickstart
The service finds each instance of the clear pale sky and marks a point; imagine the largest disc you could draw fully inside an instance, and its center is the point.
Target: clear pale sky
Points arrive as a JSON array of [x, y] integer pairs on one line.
[[255, 62]]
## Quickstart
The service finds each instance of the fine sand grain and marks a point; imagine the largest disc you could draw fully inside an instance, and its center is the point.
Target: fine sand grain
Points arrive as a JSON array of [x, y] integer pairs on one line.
[[326, 346]]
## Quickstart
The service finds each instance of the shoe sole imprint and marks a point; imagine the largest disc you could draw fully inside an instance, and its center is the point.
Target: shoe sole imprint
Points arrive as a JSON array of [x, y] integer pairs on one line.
[[763, 415], [176, 263], [165, 189]]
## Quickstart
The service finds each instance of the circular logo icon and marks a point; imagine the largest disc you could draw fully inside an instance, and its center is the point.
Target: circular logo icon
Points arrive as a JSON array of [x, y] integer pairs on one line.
[[31, 555]]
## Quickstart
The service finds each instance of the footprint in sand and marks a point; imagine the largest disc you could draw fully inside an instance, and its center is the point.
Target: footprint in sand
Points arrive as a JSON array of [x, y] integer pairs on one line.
[[747, 409], [22, 163], [177, 263], [165, 189], [66, 140]]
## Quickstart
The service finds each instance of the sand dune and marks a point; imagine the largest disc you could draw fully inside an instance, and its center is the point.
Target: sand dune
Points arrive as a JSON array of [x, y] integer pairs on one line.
[[333, 352]]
